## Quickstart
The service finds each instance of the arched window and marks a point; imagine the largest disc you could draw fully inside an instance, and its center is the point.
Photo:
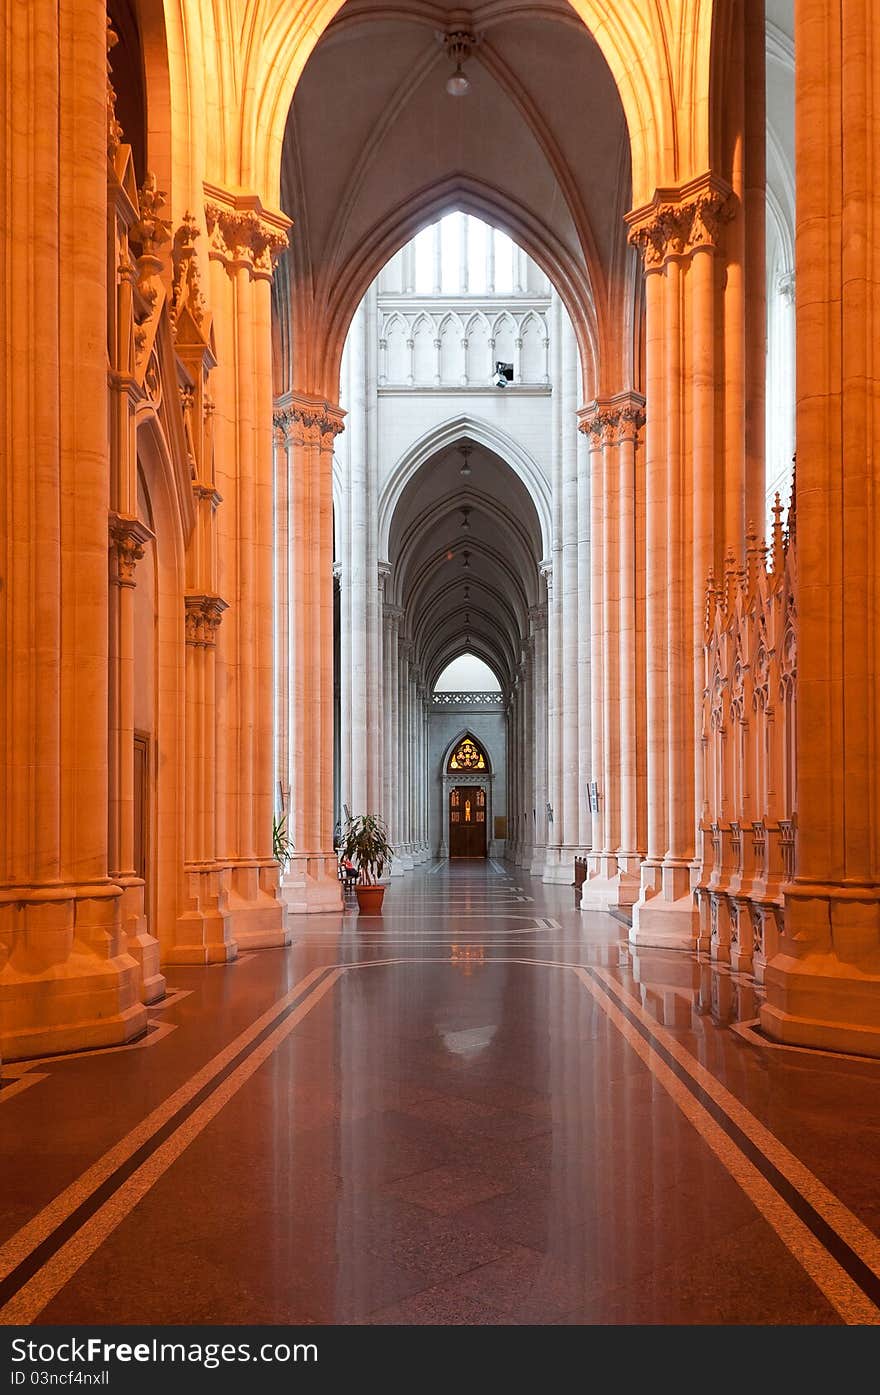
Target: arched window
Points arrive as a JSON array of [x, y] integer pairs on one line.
[[468, 756]]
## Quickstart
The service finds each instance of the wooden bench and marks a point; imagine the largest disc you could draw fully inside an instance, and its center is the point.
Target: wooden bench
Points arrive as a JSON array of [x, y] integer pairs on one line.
[[580, 876]]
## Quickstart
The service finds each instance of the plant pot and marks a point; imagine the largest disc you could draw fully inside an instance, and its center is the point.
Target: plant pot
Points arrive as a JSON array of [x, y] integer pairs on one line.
[[370, 899]]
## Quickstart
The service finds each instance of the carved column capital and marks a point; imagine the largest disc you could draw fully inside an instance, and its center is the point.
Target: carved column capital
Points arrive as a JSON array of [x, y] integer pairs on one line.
[[242, 233], [681, 220], [203, 615], [612, 420], [308, 420], [393, 615], [128, 538]]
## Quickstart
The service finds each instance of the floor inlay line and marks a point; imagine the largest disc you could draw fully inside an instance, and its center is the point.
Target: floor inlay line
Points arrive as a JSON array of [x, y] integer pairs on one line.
[[29, 1299], [839, 1254], [20, 1246], [850, 1282]]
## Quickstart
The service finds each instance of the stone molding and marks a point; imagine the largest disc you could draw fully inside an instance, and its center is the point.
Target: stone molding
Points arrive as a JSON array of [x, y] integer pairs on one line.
[[203, 615], [538, 617], [308, 421], [681, 220], [186, 285], [128, 539], [242, 233], [114, 129]]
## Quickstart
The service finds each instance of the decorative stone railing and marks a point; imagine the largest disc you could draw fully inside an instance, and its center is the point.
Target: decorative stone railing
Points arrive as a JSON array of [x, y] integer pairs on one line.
[[467, 699], [748, 737]]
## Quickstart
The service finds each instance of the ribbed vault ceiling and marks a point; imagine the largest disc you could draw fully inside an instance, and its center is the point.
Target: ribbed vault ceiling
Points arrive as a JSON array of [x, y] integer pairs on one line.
[[466, 589], [376, 148]]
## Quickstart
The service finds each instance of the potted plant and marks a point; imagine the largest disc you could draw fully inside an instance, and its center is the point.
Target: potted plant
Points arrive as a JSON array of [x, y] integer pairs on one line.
[[282, 843], [365, 842]]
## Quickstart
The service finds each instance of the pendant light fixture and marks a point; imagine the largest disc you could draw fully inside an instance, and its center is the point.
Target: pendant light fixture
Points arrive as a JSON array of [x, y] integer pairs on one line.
[[458, 44]]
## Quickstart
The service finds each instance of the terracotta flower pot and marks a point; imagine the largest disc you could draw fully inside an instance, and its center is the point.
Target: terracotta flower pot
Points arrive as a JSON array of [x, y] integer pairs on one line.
[[370, 899]]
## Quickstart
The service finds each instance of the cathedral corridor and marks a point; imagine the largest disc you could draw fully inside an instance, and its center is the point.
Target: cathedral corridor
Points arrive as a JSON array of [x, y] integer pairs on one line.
[[482, 1107]]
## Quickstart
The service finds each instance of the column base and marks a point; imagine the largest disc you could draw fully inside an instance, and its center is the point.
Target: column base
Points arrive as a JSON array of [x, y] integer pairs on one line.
[[143, 947], [618, 892], [203, 933], [823, 986], [539, 860], [559, 864], [311, 885], [66, 982], [665, 916], [255, 906]]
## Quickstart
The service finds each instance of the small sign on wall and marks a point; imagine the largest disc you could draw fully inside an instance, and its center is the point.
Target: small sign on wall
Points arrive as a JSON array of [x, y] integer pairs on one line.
[[500, 826], [594, 797]]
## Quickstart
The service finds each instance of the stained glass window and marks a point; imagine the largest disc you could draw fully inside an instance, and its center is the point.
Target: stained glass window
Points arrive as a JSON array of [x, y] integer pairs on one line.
[[467, 756]]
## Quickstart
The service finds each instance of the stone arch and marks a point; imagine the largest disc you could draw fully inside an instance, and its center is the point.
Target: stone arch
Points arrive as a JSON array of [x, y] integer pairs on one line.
[[155, 464], [570, 278], [447, 434]]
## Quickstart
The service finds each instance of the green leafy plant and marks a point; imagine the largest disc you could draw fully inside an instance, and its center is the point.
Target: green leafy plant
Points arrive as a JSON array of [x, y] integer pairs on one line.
[[282, 844], [365, 843]]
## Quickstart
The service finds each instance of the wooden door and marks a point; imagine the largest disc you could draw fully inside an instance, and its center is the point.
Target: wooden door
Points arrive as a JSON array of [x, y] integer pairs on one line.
[[142, 813], [467, 821]]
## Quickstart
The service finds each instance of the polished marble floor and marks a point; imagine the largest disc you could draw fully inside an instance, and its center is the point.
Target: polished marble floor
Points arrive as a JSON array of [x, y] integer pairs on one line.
[[482, 1107]]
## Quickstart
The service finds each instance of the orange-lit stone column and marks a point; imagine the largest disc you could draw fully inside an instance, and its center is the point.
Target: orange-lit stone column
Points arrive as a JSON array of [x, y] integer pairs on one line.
[[677, 233], [311, 426], [613, 427], [65, 978], [823, 984], [244, 239]]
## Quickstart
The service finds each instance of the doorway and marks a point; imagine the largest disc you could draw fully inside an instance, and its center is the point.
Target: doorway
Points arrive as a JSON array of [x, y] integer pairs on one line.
[[467, 821]]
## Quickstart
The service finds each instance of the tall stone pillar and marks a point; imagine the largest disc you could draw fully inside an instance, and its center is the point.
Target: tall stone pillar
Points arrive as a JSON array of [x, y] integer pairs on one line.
[[678, 233], [311, 426], [823, 984], [282, 617], [513, 757], [613, 427], [404, 847], [390, 706], [592, 420], [358, 580], [552, 571], [571, 607], [66, 980], [585, 647], [244, 240], [538, 623], [527, 801]]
